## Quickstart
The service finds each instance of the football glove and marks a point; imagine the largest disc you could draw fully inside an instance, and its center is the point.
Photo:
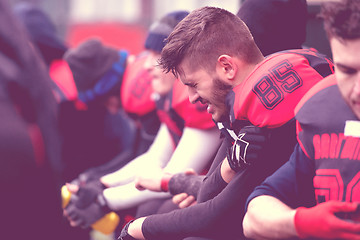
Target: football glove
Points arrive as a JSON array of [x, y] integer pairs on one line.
[[247, 147]]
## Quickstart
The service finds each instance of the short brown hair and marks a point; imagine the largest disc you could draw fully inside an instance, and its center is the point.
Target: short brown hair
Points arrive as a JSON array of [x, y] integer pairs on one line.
[[341, 19], [204, 35]]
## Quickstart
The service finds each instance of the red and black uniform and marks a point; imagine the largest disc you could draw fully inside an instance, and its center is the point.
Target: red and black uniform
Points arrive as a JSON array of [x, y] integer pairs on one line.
[[136, 100], [267, 98], [325, 164], [176, 111], [321, 136]]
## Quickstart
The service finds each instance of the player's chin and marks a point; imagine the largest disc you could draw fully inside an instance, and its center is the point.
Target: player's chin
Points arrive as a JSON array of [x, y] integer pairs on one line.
[[355, 106], [217, 117]]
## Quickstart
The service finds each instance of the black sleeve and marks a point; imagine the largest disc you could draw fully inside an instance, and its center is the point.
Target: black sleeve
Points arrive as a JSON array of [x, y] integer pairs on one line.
[[221, 216], [218, 218], [213, 183]]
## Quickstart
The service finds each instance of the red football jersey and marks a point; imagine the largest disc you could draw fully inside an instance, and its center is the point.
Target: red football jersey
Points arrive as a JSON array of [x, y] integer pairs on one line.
[[176, 111], [136, 88], [267, 98]]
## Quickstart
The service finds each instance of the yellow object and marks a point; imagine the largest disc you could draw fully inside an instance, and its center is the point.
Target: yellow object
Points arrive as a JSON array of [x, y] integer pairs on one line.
[[66, 195], [105, 225]]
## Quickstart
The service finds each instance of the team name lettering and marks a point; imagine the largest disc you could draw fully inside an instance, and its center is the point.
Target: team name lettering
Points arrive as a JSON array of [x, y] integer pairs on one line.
[[336, 146]]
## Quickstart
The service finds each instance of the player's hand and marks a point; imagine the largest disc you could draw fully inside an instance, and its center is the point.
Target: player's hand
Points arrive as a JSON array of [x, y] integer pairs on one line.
[[187, 182], [247, 148], [183, 200], [150, 179], [184, 187], [86, 206], [321, 221]]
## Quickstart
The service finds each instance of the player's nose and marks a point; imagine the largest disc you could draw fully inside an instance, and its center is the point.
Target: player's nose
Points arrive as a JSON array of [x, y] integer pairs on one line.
[[193, 95]]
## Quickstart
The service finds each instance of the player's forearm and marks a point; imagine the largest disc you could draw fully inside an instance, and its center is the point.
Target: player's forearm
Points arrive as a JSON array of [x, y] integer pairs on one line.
[[125, 174], [218, 218], [179, 224], [127, 196], [135, 228], [158, 153], [195, 150], [269, 218]]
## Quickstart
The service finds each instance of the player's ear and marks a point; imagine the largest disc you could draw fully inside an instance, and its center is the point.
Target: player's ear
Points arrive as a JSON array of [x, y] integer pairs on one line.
[[226, 66]]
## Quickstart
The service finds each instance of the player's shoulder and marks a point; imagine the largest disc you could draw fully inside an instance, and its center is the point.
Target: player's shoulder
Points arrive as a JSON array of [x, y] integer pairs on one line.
[[136, 88], [270, 93], [313, 94], [303, 59]]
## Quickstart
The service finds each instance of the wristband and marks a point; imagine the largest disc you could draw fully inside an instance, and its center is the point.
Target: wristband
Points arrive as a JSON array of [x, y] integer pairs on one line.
[[165, 182]]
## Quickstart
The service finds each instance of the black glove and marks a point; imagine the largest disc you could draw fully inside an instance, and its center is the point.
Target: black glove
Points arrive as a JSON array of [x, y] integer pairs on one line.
[[88, 177], [247, 147], [189, 184], [88, 205], [88, 193]]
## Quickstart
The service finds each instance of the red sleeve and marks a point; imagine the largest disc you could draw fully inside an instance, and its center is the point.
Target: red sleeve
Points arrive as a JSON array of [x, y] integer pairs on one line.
[[136, 88], [61, 74], [269, 96], [194, 115]]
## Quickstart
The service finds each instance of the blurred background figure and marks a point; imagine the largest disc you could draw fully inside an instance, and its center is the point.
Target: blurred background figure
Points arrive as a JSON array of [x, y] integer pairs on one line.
[[77, 20], [94, 127], [42, 31], [130, 119], [30, 203], [276, 25], [46, 39], [42, 35]]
